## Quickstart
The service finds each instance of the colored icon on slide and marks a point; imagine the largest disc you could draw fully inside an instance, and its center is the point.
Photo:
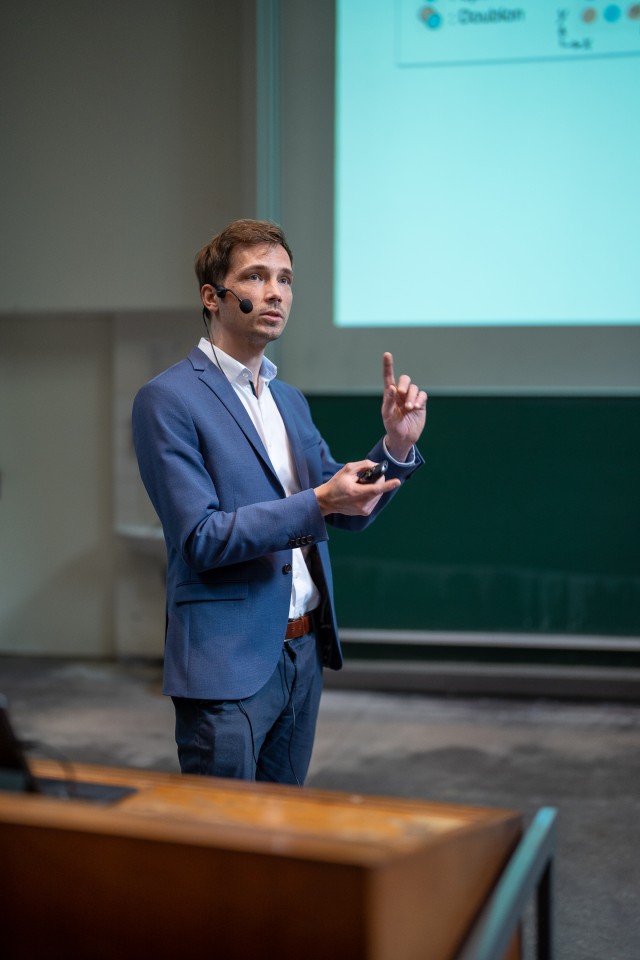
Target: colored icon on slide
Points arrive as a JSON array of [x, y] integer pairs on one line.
[[431, 18], [612, 13]]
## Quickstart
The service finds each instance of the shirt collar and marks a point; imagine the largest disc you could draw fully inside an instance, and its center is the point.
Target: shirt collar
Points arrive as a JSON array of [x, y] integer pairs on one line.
[[234, 371]]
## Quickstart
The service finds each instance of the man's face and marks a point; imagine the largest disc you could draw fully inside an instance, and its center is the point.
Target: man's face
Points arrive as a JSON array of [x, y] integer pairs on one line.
[[261, 273]]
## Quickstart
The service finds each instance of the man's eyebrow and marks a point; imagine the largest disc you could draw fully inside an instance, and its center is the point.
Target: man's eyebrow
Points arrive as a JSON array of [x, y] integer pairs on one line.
[[263, 266]]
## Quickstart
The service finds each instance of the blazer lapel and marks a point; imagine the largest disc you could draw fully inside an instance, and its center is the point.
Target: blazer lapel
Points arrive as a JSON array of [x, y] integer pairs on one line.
[[209, 373]]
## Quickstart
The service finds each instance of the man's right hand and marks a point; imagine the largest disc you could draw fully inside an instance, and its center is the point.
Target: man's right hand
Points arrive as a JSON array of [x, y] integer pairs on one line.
[[343, 493]]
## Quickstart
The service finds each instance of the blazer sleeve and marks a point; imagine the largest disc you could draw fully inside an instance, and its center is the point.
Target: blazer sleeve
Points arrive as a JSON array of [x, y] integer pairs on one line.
[[400, 471], [193, 497], [329, 467]]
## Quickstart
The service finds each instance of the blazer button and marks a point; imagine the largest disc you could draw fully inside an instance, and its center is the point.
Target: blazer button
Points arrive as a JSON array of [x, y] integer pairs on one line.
[[286, 568], [292, 542]]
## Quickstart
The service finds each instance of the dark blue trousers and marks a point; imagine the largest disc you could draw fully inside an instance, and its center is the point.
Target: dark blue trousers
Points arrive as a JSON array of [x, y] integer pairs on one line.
[[268, 736]]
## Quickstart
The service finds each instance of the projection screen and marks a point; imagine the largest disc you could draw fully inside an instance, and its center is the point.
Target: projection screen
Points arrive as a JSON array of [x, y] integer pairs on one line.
[[457, 180]]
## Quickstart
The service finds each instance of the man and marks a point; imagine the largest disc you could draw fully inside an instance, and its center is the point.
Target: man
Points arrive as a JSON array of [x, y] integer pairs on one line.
[[244, 486]]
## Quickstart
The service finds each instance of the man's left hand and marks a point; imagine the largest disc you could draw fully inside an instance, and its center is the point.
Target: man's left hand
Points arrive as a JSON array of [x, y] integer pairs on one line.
[[404, 411]]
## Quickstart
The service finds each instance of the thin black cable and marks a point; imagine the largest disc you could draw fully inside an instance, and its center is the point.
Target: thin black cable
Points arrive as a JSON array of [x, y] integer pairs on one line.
[[242, 709], [241, 705], [292, 654], [290, 703], [204, 317]]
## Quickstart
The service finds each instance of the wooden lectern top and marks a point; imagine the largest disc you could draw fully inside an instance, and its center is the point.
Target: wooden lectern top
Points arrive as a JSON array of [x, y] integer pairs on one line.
[[244, 870]]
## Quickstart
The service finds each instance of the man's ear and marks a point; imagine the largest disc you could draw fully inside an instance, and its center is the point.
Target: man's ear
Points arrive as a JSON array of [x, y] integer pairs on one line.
[[209, 298]]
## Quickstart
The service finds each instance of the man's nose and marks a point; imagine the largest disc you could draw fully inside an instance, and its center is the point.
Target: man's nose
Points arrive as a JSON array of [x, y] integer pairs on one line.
[[273, 291]]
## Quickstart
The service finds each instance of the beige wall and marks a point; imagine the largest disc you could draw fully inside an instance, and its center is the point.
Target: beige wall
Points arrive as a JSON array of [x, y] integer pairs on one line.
[[128, 139], [55, 501]]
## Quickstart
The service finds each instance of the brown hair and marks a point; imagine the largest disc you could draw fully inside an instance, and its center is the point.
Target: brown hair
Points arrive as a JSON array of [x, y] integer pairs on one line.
[[212, 262]]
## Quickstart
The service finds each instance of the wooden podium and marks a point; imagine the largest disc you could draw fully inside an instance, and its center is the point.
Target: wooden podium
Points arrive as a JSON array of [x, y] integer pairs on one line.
[[236, 870]]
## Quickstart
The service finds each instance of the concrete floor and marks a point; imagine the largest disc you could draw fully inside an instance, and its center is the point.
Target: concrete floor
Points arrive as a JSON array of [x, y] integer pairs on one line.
[[517, 754]]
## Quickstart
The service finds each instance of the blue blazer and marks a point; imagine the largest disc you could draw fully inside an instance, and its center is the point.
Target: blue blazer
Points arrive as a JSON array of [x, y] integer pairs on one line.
[[229, 528]]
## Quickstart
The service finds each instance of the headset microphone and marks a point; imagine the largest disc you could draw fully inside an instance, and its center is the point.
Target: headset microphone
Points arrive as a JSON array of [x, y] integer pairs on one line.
[[245, 305]]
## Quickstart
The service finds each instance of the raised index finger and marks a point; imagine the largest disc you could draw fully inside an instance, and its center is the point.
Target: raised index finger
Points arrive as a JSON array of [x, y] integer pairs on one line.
[[387, 370]]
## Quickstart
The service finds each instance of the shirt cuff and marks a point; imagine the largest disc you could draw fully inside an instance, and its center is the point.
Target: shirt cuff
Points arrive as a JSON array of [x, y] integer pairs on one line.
[[401, 463]]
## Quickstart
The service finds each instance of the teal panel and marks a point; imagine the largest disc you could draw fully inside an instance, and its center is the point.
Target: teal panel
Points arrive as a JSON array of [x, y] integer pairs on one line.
[[525, 518]]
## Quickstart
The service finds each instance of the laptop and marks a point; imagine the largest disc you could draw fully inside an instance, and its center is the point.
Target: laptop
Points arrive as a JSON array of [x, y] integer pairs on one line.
[[16, 776]]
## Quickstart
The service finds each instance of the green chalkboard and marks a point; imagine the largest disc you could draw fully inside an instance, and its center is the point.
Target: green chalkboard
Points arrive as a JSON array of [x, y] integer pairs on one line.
[[525, 518]]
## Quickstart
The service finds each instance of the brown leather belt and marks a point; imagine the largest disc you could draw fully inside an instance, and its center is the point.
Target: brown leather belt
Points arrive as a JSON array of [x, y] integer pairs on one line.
[[298, 627]]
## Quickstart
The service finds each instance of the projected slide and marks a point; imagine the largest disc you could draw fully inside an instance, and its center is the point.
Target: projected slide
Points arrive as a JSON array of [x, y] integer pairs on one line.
[[482, 31], [486, 163]]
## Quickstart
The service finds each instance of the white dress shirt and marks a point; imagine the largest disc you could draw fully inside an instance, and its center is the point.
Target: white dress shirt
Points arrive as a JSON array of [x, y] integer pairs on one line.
[[266, 418]]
